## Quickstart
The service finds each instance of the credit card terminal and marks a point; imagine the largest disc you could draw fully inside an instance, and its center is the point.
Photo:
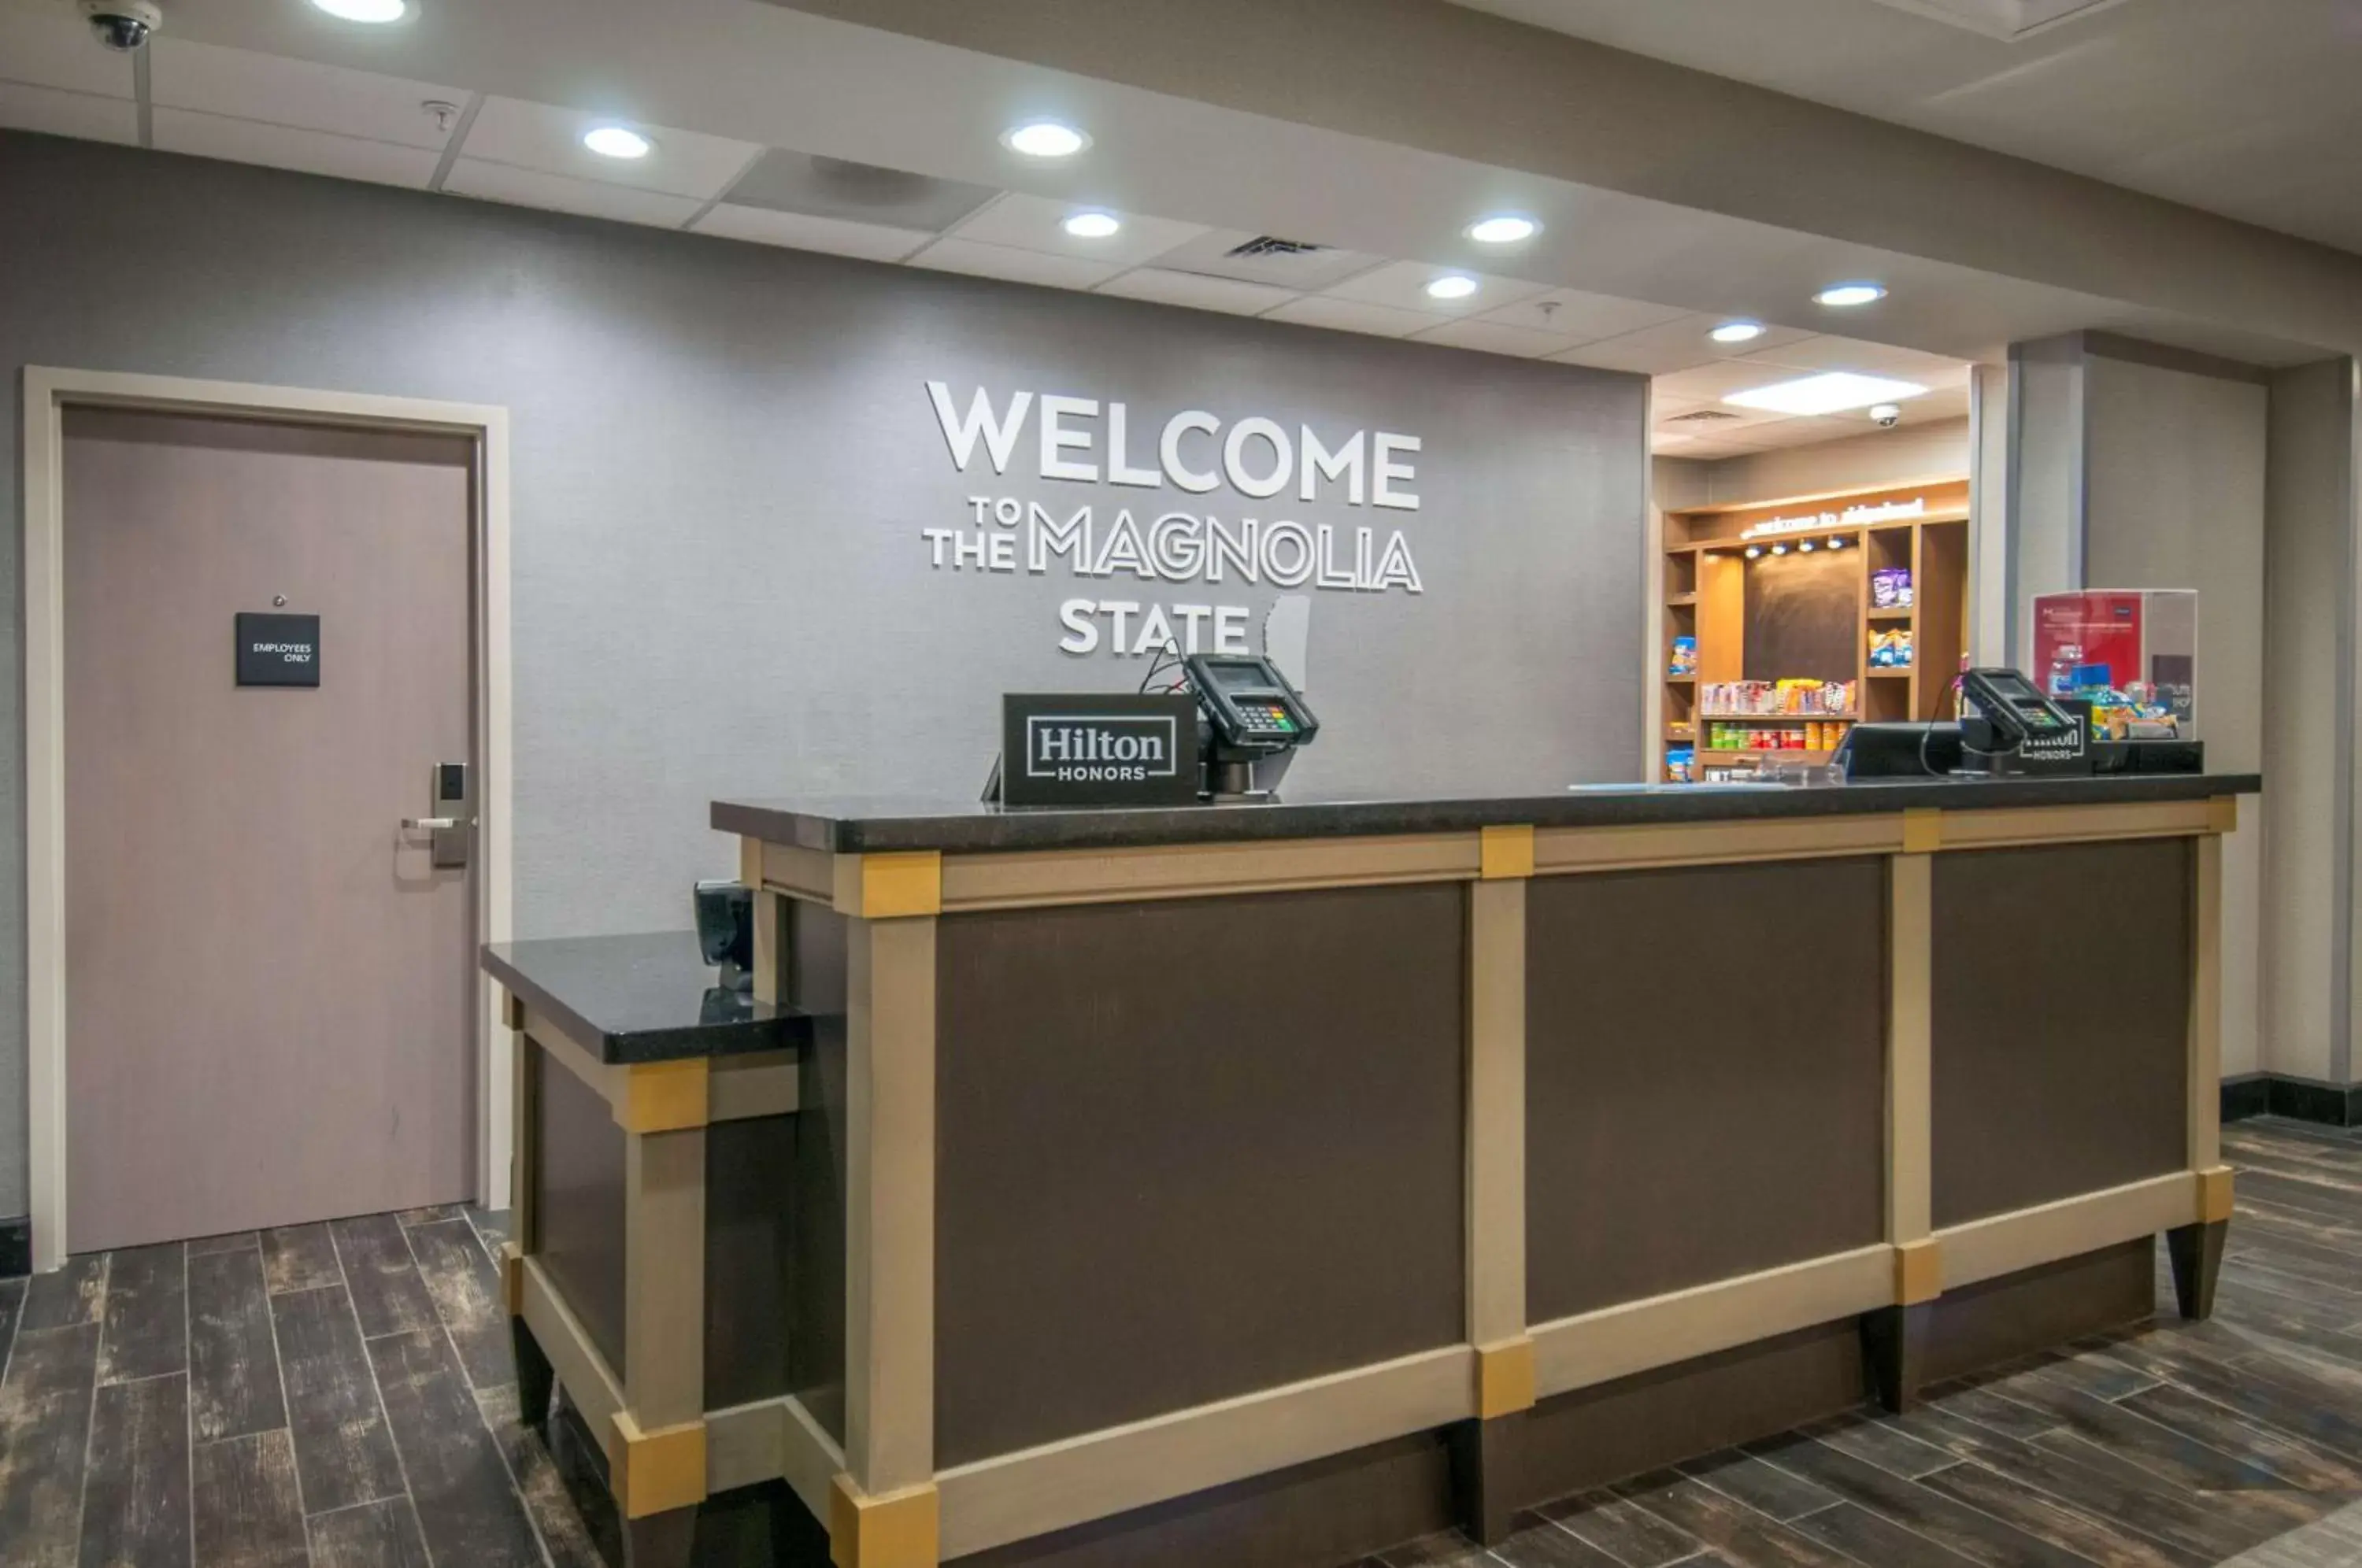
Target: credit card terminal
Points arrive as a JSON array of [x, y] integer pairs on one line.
[[2009, 726], [1249, 705]]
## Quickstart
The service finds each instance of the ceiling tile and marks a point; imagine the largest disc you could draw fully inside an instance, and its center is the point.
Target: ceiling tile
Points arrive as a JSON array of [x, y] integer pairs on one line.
[[1585, 317], [543, 137], [1402, 285], [283, 91], [1303, 271], [1825, 353], [283, 146], [1016, 266], [1712, 382], [1492, 337], [84, 114], [51, 48], [1653, 351], [789, 182], [532, 188], [1196, 291], [1799, 432], [799, 231], [1351, 315], [1033, 223]]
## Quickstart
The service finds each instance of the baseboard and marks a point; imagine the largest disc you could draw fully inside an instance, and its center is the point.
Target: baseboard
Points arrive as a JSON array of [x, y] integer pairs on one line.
[[2300, 1099], [16, 1246]]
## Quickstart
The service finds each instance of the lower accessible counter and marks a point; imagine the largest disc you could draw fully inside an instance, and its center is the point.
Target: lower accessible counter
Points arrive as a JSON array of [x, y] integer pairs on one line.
[[1268, 1184]]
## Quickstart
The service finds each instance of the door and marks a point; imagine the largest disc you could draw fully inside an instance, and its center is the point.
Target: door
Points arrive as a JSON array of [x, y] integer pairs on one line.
[[270, 983]]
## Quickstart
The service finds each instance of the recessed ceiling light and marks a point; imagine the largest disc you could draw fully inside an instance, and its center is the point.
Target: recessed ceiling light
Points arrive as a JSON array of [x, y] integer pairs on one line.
[[1737, 332], [1832, 394], [1044, 138], [617, 142], [1506, 228], [1092, 226], [1452, 286], [365, 10], [1846, 294]]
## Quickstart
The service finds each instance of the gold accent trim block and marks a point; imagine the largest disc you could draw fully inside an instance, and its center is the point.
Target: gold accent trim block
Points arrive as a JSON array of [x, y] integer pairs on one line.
[[2223, 813], [1638, 1336], [894, 885], [2005, 1244], [1506, 850], [2214, 1195], [1504, 1378], [1919, 1272], [664, 1097], [900, 1530], [1014, 1496], [660, 1470], [513, 1279], [1922, 830]]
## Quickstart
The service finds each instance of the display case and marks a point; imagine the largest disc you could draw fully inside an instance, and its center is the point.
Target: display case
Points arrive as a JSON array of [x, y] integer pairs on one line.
[[1786, 622], [2132, 653]]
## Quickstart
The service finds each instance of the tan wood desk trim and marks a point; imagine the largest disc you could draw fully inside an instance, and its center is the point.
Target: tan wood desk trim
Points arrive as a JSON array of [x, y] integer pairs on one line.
[[775, 1438], [1496, 1178], [1016, 1495], [889, 1331], [768, 1083], [1021, 879], [2000, 827], [1910, 1044], [590, 1384], [1636, 1336], [2005, 1244], [663, 1278], [923, 883], [524, 1147], [661, 1469], [659, 1097], [1559, 851], [2205, 1068]]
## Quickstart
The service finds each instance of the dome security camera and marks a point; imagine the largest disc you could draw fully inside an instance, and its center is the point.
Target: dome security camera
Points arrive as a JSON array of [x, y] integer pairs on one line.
[[122, 26], [1886, 416]]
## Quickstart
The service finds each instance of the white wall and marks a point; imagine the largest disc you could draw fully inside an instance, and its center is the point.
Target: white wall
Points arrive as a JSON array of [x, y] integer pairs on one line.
[[2175, 483], [1874, 459]]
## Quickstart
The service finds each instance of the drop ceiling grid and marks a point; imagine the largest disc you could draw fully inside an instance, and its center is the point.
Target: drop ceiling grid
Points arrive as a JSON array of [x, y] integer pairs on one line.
[[225, 103]]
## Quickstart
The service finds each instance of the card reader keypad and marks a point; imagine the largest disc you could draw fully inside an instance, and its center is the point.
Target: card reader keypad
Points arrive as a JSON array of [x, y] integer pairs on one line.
[[1266, 718]]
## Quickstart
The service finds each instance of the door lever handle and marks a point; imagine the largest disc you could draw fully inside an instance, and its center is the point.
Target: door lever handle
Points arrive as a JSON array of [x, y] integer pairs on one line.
[[430, 824]]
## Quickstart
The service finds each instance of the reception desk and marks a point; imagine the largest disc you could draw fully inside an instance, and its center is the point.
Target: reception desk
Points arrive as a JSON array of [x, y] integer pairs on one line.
[[1267, 1184]]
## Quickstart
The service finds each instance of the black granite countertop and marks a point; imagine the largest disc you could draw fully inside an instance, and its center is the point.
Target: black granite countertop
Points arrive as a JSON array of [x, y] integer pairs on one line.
[[871, 824], [641, 998]]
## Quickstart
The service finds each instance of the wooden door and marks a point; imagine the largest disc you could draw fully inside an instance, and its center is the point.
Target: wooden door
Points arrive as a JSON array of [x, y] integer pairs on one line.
[[270, 985]]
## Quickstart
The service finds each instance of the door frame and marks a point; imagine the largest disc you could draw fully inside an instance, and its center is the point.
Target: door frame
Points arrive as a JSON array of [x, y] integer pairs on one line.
[[48, 391]]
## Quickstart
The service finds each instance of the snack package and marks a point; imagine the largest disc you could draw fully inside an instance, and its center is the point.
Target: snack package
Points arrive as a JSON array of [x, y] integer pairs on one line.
[[1889, 588], [1891, 648], [1684, 656]]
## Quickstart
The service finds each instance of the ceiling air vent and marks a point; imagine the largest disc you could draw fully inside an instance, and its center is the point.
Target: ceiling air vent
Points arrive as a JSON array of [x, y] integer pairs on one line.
[[1702, 416], [1272, 245]]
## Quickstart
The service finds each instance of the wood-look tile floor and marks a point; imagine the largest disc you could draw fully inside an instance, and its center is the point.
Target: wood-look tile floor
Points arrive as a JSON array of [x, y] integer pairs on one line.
[[341, 1395], [2173, 1445]]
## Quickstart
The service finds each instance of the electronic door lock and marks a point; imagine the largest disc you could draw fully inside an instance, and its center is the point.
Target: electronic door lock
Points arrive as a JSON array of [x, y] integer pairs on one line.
[[451, 835]]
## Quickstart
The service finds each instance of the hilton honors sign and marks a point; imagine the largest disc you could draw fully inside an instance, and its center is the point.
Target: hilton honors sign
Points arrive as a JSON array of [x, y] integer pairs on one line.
[[1098, 748]]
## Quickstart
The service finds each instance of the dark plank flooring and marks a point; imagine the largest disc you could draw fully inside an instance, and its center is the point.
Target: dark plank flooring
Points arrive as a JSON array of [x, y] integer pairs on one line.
[[341, 1396], [2178, 1445]]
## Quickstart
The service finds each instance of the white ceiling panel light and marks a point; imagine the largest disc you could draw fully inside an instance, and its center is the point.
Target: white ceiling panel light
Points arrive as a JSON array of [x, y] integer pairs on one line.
[[1833, 393], [1503, 228], [617, 142], [375, 13], [1737, 332], [1093, 225], [1044, 138], [1850, 295]]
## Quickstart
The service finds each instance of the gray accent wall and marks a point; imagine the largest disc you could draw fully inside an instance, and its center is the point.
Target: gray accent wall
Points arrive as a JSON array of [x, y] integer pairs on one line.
[[724, 456]]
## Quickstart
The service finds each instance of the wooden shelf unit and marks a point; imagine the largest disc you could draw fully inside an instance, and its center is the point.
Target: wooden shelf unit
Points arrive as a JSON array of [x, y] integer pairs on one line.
[[1708, 585]]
